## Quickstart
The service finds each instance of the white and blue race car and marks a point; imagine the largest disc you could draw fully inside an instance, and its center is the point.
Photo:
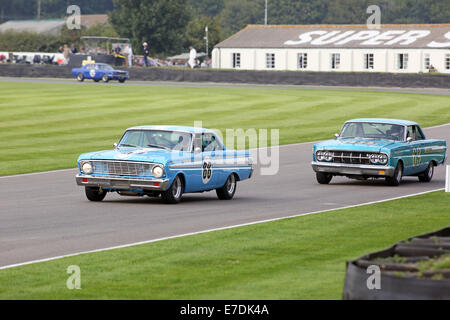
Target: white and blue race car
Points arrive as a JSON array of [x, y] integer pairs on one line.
[[165, 161], [100, 71]]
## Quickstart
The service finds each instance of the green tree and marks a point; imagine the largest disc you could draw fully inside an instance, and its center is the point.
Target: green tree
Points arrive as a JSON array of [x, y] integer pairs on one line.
[[296, 12], [161, 23], [210, 8], [195, 33], [347, 12], [239, 13]]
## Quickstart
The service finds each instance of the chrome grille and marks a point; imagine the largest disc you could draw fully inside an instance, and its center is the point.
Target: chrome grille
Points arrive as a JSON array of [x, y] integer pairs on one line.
[[351, 157], [122, 168]]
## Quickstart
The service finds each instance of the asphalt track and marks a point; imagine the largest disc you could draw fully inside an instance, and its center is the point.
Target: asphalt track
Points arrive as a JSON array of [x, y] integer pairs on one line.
[[434, 91], [46, 215]]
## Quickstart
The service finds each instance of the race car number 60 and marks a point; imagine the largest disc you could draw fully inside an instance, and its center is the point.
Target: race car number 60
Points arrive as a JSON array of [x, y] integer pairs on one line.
[[206, 171]]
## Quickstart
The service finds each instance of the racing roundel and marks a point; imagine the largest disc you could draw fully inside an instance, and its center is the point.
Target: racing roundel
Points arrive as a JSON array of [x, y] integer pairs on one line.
[[207, 171], [92, 73]]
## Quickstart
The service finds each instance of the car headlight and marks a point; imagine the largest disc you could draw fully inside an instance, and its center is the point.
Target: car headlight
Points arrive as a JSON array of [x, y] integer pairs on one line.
[[328, 156], [158, 171], [87, 167], [319, 155], [382, 158], [324, 156], [378, 158]]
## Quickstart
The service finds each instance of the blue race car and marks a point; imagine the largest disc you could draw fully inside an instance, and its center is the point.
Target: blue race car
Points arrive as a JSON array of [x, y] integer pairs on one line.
[[100, 71], [378, 148], [164, 161]]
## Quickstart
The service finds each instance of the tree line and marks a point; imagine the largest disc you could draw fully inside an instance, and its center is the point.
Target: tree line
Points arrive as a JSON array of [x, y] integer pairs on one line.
[[172, 25]]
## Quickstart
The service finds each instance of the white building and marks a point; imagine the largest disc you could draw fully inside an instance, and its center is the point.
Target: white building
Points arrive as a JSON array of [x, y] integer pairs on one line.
[[343, 48]]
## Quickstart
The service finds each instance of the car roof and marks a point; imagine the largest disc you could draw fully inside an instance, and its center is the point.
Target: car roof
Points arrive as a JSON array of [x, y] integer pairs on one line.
[[173, 128], [387, 121]]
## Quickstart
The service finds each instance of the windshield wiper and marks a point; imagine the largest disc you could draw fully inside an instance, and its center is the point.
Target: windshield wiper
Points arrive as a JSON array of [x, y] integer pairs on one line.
[[158, 146], [130, 145]]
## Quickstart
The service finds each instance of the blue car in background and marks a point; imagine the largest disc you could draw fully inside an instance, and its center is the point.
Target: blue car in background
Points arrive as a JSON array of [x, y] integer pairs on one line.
[[378, 148], [165, 161], [100, 71]]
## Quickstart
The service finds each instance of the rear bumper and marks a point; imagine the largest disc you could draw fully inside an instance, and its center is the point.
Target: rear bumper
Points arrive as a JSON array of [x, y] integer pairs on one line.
[[122, 183], [353, 169]]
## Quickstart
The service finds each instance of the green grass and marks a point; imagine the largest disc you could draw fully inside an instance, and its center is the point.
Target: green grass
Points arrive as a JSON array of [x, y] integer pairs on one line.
[[296, 258], [46, 126]]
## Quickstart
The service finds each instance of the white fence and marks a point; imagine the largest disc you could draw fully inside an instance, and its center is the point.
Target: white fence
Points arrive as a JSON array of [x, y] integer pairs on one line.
[[447, 179]]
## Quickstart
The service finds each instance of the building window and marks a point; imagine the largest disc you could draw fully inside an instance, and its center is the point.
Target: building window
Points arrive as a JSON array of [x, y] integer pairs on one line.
[[402, 61], [236, 60], [427, 61], [447, 61], [335, 60], [270, 60], [368, 61], [302, 59]]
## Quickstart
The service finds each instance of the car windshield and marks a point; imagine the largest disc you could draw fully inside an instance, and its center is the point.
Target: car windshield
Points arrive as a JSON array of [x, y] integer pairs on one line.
[[104, 67], [373, 130], [160, 139]]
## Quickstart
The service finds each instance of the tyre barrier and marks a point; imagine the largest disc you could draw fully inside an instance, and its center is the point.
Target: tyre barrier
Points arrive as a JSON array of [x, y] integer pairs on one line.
[[400, 276]]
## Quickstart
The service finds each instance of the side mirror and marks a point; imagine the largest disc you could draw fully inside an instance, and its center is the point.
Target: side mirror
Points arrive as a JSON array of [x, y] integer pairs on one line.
[[336, 135], [198, 150], [115, 146], [409, 139]]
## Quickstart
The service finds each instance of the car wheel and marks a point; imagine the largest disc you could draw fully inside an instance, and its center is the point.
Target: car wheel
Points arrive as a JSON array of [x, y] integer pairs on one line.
[[122, 80], [105, 78], [229, 189], [96, 80], [396, 179], [323, 178], [80, 77], [95, 194], [427, 175], [174, 193]]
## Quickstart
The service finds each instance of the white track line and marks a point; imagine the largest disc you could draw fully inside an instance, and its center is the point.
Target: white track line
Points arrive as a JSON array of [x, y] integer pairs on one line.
[[212, 230]]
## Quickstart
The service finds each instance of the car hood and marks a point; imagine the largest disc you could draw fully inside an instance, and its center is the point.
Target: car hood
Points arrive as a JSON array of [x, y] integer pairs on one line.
[[131, 154], [370, 145]]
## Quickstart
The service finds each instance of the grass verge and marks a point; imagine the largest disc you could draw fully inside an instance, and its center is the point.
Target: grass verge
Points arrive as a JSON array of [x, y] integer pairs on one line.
[[296, 258], [46, 126]]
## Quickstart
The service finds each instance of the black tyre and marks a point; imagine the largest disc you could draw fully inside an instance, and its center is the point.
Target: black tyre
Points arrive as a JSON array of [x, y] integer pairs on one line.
[[96, 80], [175, 192], [427, 175], [105, 78], [229, 189], [323, 177], [94, 194], [80, 77], [122, 80], [396, 179]]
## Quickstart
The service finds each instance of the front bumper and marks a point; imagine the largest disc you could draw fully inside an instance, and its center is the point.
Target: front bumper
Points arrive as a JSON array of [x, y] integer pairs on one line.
[[353, 169], [122, 183]]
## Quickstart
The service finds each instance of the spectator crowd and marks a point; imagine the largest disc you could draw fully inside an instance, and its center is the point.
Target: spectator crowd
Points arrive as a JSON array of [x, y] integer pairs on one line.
[[122, 52]]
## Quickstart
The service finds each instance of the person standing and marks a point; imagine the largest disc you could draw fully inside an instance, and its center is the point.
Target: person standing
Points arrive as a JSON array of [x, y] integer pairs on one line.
[[130, 56], [66, 53], [146, 53], [192, 57], [73, 49]]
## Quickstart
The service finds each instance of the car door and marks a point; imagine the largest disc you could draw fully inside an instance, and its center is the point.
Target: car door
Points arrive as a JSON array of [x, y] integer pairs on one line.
[[414, 162], [212, 161], [88, 70]]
